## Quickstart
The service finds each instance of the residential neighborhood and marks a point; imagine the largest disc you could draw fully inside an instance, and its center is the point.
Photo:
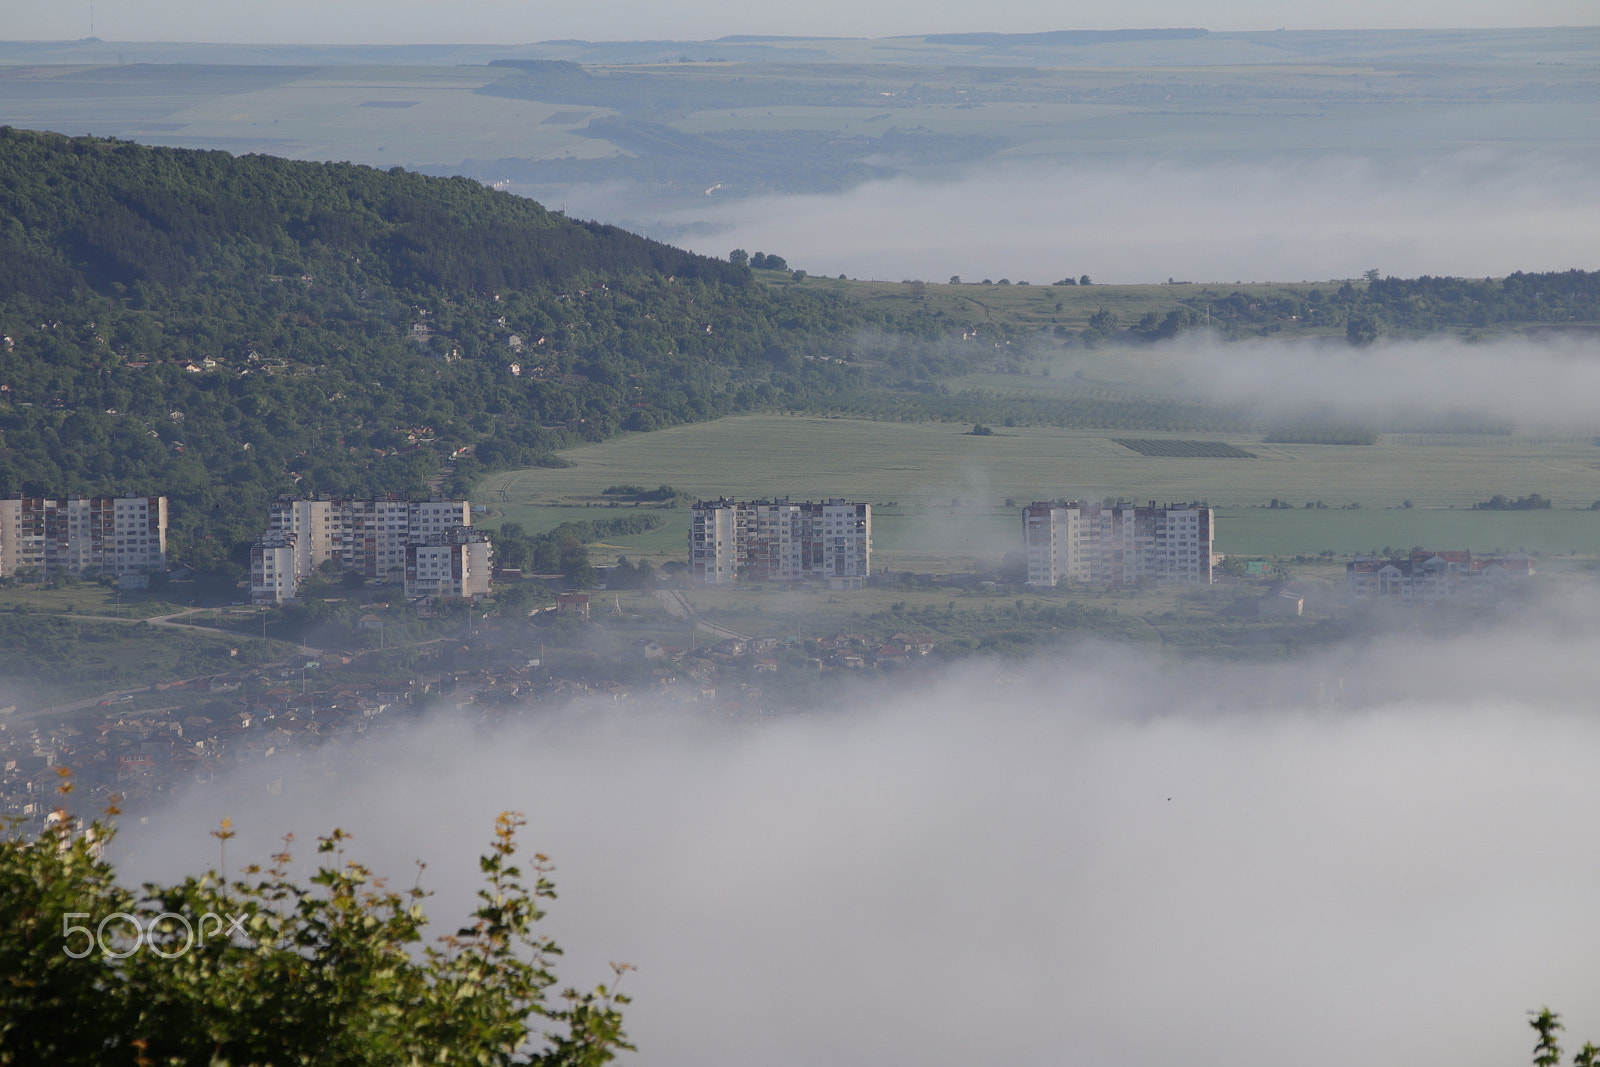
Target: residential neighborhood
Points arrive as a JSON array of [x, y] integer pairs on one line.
[[144, 744], [1435, 575]]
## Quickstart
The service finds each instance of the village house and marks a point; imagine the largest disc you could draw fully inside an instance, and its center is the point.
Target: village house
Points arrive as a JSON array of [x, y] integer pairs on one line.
[[1435, 575]]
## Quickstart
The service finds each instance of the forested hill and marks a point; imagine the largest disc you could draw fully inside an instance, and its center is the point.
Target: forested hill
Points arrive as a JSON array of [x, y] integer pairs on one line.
[[223, 329]]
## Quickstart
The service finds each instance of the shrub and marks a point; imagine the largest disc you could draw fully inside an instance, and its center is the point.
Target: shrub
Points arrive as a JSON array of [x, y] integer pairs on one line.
[[331, 972]]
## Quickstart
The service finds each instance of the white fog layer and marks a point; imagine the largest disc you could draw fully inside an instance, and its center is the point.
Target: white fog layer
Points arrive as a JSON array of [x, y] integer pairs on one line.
[[1141, 221], [1530, 383], [1382, 856]]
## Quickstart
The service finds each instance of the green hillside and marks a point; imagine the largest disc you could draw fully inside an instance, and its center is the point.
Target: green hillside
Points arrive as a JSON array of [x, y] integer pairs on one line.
[[223, 329]]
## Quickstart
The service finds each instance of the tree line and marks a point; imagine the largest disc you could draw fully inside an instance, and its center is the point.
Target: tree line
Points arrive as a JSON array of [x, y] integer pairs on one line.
[[1383, 304]]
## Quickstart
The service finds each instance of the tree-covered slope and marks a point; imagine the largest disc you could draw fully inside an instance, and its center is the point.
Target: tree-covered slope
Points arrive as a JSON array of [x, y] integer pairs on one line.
[[361, 328]]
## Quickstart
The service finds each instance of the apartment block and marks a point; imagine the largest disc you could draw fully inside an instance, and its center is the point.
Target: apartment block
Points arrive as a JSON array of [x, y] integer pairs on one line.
[[273, 574], [781, 541], [366, 537], [454, 563], [83, 535], [1118, 544]]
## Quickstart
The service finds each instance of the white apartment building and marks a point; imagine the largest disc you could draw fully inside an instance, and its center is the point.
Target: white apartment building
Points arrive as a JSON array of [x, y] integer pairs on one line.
[[306, 527], [367, 537], [456, 563], [1118, 544], [713, 542], [372, 535], [273, 574], [83, 535], [781, 541]]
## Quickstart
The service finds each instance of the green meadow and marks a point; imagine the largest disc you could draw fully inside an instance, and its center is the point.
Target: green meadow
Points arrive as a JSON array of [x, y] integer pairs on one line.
[[1263, 532], [940, 494]]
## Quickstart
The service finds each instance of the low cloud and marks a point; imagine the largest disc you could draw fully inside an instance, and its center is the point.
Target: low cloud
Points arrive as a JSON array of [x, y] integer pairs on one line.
[[1383, 856], [1524, 383], [1472, 213]]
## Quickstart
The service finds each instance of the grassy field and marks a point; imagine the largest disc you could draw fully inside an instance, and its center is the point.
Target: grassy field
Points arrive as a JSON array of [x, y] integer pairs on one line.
[[86, 600], [939, 493], [1263, 532], [661, 544], [774, 611], [930, 464], [49, 659], [376, 115]]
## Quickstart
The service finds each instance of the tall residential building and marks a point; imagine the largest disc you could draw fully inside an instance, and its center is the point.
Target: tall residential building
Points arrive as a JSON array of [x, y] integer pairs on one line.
[[1117, 544], [83, 535], [455, 563], [273, 574], [780, 541], [366, 537]]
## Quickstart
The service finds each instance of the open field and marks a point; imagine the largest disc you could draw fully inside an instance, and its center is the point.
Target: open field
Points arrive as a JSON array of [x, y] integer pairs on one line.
[[56, 658], [939, 493], [1264, 532], [958, 538], [992, 620], [88, 599], [936, 463]]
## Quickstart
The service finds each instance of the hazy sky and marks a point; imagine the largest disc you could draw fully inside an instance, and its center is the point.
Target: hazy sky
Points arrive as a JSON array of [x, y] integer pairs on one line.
[[503, 22]]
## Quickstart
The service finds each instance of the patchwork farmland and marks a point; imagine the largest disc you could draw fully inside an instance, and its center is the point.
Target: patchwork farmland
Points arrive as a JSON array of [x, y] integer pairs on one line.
[[940, 494]]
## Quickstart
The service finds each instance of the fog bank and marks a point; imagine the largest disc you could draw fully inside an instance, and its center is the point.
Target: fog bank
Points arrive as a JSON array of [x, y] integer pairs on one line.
[[1473, 213], [1381, 857], [1525, 383]]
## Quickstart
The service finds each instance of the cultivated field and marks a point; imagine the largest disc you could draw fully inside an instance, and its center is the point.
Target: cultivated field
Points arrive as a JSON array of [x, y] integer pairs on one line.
[[939, 493]]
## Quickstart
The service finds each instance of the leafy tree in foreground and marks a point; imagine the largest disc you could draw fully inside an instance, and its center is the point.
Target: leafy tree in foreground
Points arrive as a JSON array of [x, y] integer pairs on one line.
[[267, 970]]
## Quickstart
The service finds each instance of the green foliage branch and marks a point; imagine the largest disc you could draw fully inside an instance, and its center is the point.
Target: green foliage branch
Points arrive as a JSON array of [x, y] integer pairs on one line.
[[1547, 1051], [330, 972]]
